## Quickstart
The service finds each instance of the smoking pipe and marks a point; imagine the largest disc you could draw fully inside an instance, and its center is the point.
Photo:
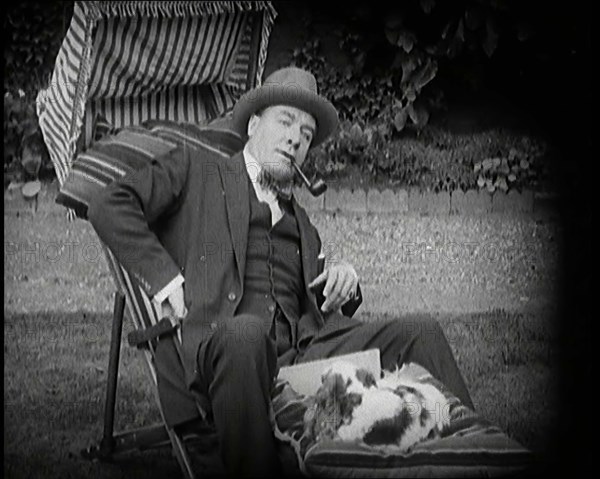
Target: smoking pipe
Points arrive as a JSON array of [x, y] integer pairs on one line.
[[317, 188]]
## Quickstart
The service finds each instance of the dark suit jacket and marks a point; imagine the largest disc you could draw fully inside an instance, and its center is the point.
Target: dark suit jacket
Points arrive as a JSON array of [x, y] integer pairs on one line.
[[188, 213]]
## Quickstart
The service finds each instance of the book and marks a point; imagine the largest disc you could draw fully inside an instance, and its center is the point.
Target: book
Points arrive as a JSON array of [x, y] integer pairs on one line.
[[305, 378]]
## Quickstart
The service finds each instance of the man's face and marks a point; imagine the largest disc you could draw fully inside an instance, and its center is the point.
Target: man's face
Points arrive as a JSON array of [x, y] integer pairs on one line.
[[281, 133]]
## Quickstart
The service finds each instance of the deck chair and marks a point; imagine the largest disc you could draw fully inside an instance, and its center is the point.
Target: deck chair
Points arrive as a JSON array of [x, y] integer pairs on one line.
[[129, 62]]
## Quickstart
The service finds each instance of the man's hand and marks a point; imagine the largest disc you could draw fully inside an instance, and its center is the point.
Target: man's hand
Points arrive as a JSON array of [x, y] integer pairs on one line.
[[174, 307], [341, 282]]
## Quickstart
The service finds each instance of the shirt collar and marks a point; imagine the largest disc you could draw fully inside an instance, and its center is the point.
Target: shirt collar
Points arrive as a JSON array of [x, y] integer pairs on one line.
[[252, 165]]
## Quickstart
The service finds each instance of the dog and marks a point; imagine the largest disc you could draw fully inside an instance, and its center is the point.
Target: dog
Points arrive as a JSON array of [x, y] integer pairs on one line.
[[395, 411]]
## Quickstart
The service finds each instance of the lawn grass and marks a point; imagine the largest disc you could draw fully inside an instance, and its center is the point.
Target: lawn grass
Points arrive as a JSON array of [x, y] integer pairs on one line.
[[55, 373]]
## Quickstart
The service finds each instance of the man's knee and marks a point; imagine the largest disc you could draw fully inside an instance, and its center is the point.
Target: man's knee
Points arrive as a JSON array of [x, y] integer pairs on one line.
[[424, 329]]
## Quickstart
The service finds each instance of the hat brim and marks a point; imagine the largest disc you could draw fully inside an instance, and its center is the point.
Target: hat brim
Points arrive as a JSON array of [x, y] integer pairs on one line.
[[264, 96]]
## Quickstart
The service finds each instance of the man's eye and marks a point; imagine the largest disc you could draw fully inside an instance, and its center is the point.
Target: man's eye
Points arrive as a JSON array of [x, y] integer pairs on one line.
[[285, 122]]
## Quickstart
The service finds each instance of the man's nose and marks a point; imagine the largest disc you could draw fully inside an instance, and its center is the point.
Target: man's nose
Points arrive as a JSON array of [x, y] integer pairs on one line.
[[294, 137]]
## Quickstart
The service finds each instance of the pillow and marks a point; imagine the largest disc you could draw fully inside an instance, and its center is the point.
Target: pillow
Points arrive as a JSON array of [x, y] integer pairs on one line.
[[470, 446], [116, 152]]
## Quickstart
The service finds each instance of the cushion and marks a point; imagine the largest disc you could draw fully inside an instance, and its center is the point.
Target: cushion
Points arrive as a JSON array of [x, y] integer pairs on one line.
[[469, 447], [116, 152]]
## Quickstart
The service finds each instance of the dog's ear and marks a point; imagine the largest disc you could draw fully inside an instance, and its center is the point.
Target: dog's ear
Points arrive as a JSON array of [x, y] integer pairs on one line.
[[341, 385], [329, 391], [309, 419], [353, 400], [326, 373], [366, 378]]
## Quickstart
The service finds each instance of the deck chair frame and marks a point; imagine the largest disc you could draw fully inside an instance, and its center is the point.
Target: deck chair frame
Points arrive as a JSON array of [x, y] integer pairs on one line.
[[66, 110], [147, 327]]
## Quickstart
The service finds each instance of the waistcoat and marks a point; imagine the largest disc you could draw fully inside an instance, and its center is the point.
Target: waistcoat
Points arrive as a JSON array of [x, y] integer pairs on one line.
[[273, 280]]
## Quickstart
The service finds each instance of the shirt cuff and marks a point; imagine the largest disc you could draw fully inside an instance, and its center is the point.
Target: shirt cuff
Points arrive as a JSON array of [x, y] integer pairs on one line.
[[164, 293]]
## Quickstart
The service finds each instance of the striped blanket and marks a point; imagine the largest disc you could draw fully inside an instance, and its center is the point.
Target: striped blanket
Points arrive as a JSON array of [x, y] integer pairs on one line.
[[118, 152]]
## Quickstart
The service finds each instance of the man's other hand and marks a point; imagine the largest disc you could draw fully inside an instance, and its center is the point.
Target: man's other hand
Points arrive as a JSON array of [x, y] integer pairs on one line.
[[341, 281], [174, 307], [175, 304]]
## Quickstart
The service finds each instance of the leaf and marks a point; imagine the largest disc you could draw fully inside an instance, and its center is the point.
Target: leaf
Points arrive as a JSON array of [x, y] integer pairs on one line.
[[524, 164], [409, 65], [460, 31], [31, 188], [392, 36], [477, 167], [501, 183], [446, 29], [480, 182], [392, 28], [496, 162], [491, 38], [31, 160], [425, 74], [504, 168], [512, 177], [13, 185], [356, 131], [418, 114], [427, 5], [487, 164], [410, 94], [433, 49], [406, 40], [400, 119], [512, 154], [457, 40]]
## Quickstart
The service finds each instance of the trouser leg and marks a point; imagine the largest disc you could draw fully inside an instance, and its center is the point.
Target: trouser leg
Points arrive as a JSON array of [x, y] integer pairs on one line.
[[417, 339], [237, 365], [178, 404]]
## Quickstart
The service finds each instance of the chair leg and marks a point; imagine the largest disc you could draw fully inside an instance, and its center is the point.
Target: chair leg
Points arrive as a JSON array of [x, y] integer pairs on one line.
[[108, 442], [154, 436]]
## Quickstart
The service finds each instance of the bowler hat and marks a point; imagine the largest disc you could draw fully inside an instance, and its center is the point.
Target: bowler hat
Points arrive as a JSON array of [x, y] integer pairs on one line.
[[288, 86]]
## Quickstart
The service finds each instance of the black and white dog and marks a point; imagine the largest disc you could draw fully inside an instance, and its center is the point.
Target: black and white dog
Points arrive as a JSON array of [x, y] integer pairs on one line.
[[396, 411]]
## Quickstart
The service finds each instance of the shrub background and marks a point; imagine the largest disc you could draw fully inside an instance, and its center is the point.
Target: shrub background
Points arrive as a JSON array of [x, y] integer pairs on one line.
[[397, 73]]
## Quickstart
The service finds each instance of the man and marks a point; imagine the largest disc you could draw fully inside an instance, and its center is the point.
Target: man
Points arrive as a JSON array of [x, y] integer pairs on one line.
[[223, 245]]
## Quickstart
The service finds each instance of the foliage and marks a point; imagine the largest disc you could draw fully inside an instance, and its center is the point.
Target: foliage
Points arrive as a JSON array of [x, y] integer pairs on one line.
[[518, 167], [396, 51], [34, 32], [389, 90], [25, 154], [436, 160]]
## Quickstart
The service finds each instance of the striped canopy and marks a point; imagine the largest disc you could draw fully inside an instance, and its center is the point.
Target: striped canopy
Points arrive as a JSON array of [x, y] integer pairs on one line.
[[134, 61]]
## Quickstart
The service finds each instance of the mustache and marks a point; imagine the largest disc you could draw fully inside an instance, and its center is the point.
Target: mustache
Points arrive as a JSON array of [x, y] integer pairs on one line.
[[289, 156], [316, 188]]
